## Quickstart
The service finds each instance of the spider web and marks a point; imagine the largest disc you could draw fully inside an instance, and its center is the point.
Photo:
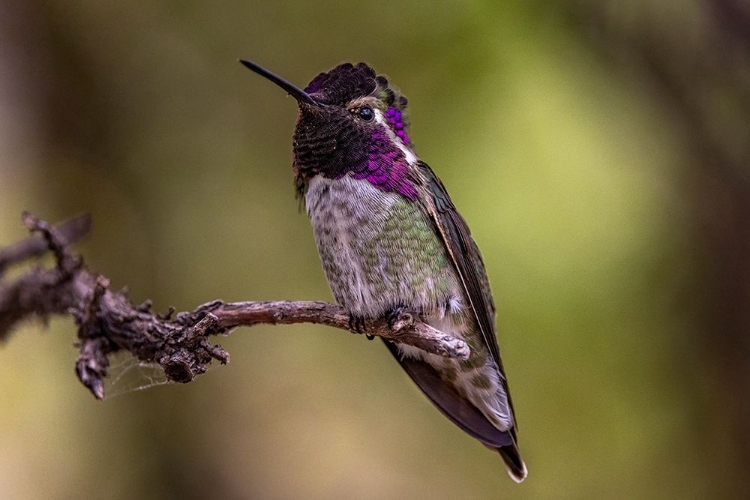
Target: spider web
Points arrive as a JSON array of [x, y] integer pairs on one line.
[[127, 374]]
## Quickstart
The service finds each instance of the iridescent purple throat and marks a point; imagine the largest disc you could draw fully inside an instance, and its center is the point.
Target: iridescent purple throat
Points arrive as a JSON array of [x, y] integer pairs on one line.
[[386, 168]]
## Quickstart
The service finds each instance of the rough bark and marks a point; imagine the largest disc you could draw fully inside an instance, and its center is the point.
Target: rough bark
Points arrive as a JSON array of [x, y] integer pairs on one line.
[[108, 322]]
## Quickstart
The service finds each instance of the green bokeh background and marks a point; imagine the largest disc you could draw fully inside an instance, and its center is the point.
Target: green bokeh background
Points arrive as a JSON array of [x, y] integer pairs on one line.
[[572, 171]]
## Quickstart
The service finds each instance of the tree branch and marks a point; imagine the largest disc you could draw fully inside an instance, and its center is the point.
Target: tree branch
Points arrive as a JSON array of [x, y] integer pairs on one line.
[[108, 322], [69, 232]]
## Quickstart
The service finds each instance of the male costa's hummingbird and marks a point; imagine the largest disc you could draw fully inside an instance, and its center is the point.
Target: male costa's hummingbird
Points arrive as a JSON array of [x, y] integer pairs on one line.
[[390, 239]]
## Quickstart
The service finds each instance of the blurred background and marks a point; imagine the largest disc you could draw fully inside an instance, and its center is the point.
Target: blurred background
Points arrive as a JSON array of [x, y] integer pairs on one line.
[[598, 149]]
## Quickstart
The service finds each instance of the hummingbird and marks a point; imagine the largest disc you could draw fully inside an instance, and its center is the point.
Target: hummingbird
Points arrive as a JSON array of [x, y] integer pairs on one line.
[[391, 240]]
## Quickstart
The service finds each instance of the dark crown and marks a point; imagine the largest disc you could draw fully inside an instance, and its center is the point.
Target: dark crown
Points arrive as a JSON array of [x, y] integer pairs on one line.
[[346, 82]]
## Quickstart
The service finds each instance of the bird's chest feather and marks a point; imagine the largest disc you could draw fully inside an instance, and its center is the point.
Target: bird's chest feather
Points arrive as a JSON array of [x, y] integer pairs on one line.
[[378, 249]]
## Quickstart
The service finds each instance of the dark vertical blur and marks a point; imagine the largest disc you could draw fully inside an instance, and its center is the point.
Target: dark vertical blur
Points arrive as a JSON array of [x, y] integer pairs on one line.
[[694, 61]]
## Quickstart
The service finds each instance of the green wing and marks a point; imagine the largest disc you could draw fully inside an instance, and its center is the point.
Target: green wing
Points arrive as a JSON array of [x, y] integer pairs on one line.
[[465, 256], [468, 263]]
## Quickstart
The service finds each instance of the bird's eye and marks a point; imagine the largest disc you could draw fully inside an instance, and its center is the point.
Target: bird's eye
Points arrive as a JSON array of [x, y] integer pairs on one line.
[[365, 112]]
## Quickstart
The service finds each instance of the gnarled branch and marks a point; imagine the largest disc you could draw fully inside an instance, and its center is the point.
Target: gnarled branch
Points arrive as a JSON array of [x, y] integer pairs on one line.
[[108, 322]]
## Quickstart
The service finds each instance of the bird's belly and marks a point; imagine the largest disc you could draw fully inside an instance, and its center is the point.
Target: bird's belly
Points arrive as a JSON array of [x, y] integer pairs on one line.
[[378, 249]]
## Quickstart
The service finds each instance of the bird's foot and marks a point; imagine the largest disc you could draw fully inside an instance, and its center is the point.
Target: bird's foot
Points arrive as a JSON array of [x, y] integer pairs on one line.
[[396, 316], [356, 323]]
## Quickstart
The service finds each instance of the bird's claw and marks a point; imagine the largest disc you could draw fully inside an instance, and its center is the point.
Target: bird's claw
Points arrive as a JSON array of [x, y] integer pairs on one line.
[[356, 323], [394, 315]]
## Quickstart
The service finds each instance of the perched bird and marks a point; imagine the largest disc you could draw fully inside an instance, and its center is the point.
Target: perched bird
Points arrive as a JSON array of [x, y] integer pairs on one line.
[[391, 240]]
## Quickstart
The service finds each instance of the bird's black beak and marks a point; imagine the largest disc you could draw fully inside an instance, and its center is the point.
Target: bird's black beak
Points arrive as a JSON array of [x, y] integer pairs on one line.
[[294, 91]]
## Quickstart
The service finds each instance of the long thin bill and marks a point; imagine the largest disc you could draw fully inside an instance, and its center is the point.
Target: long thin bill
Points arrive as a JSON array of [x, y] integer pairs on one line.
[[291, 89]]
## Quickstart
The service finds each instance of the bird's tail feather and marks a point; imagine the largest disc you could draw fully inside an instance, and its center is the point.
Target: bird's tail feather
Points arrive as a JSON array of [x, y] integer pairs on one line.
[[513, 462]]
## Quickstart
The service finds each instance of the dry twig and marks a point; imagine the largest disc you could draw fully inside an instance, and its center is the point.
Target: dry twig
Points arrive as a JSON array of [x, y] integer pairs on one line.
[[108, 322]]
